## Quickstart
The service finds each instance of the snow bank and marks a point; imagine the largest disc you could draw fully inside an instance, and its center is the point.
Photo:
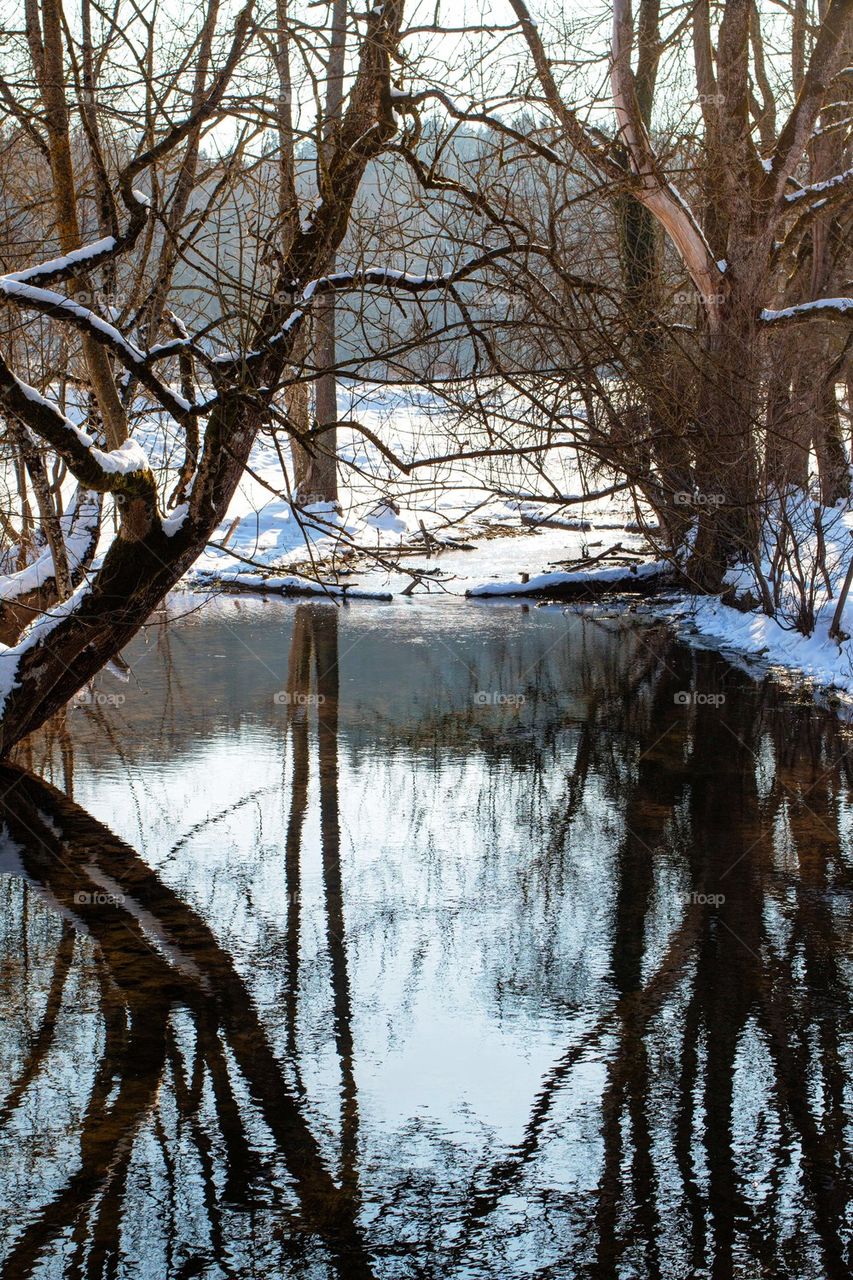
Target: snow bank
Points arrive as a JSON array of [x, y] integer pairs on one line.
[[817, 657]]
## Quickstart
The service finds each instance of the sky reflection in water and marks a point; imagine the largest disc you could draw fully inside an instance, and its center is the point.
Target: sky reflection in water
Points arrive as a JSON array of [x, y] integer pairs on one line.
[[426, 941]]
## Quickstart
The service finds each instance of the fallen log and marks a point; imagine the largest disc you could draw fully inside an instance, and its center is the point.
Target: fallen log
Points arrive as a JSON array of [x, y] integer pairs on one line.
[[289, 586], [553, 522], [644, 580]]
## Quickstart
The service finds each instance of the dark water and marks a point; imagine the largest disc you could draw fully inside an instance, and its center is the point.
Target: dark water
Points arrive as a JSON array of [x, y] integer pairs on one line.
[[429, 941]]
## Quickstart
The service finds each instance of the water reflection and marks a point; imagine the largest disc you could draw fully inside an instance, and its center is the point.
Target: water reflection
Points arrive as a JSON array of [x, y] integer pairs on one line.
[[429, 942]]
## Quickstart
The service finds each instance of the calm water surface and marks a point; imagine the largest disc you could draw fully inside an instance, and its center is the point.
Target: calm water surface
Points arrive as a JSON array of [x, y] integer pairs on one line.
[[426, 941]]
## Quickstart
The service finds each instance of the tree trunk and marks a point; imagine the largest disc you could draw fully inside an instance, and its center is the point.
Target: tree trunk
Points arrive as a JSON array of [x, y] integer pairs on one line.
[[832, 462], [787, 432], [728, 522], [322, 479], [297, 405], [323, 472]]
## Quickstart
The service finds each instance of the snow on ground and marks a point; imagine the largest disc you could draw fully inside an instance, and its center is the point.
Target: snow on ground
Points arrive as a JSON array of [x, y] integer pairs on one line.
[[391, 527], [820, 659], [553, 581], [823, 660]]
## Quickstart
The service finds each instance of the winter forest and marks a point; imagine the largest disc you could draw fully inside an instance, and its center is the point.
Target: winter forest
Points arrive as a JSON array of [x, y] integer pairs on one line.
[[426, 639]]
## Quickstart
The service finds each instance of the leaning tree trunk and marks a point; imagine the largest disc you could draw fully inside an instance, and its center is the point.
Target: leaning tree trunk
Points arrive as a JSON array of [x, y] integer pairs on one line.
[[66, 648]]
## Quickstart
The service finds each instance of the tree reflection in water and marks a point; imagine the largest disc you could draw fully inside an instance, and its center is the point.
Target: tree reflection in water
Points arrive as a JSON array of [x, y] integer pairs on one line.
[[680, 910]]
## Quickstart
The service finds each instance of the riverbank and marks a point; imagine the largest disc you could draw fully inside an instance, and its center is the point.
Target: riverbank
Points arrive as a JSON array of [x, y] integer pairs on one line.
[[503, 559], [458, 531]]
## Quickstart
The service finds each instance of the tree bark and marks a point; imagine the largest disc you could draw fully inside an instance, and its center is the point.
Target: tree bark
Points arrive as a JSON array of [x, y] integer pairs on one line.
[[322, 479]]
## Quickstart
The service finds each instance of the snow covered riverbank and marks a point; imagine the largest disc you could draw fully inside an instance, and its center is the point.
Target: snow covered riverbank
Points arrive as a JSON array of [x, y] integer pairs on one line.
[[503, 553], [820, 659], [449, 534], [485, 529]]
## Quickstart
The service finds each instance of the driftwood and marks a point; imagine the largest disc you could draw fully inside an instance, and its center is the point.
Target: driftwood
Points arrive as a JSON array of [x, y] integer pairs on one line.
[[584, 588], [314, 590], [554, 522], [617, 553]]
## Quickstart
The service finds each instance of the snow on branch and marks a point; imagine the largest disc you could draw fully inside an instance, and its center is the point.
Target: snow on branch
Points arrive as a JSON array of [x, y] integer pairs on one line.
[[821, 188], [825, 308], [794, 134], [95, 254], [79, 527], [226, 358], [56, 305], [125, 468], [407, 280], [389, 277], [69, 264], [11, 658]]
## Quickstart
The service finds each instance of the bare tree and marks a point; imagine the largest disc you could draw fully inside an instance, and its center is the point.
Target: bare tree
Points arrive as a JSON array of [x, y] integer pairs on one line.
[[232, 393], [742, 189], [730, 251]]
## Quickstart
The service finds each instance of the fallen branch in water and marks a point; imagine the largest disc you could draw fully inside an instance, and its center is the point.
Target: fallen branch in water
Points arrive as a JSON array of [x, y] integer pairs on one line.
[[290, 585], [644, 580]]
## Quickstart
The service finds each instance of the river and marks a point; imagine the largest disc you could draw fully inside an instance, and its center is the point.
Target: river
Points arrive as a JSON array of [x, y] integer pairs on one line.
[[426, 940]]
